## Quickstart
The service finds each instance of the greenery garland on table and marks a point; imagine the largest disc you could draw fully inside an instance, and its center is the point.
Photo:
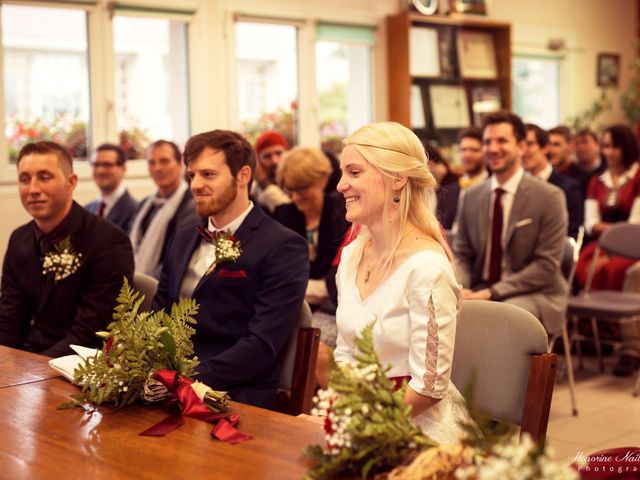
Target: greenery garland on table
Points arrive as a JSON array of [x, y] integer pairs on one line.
[[136, 345]]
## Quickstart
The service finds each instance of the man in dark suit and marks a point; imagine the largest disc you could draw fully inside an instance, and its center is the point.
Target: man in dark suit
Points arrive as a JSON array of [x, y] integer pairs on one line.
[[249, 306], [160, 215], [43, 309], [114, 202], [511, 230], [561, 157], [535, 162]]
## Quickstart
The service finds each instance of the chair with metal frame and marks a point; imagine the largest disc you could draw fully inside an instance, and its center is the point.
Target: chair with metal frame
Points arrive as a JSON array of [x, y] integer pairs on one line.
[[608, 305], [504, 349], [568, 267]]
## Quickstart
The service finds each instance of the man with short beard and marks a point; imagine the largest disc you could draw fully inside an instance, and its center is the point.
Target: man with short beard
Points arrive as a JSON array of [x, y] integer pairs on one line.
[[472, 158], [249, 305], [512, 230], [561, 157]]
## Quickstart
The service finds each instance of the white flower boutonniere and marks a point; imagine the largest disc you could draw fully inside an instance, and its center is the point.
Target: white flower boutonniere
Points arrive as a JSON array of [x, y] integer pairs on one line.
[[62, 261], [227, 247]]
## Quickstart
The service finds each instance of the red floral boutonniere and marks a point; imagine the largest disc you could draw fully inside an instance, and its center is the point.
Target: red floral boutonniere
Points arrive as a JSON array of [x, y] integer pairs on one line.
[[227, 247], [62, 261]]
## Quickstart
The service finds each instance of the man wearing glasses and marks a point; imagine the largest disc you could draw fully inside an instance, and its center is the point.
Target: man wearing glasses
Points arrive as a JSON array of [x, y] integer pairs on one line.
[[114, 202]]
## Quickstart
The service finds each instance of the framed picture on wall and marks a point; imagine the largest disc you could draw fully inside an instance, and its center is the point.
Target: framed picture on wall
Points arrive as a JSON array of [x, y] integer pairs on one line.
[[484, 100], [477, 55], [469, 6], [448, 106], [608, 71]]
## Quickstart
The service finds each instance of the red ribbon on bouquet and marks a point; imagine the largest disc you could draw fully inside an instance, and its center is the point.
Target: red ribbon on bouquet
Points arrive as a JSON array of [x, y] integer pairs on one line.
[[191, 406]]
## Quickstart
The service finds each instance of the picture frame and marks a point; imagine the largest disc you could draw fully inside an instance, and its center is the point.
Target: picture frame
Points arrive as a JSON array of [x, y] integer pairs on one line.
[[477, 55], [449, 106], [477, 7], [484, 100], [424, 56], [608, 70]]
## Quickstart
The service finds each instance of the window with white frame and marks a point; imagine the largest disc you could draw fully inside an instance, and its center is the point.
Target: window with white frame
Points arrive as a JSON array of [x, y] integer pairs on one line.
[[46, 77], [267, 78], [343, 81], [536, 87], [151, 81]]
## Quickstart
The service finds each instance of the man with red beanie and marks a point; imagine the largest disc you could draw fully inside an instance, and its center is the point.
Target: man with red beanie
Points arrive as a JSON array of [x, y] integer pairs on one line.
[[270, 147]]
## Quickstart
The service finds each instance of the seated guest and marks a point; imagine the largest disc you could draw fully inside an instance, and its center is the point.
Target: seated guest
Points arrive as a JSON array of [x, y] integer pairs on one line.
[[270, 147], [315, 215], [249, 306], [613, 197], [42, 308], [162, 214], [535, 163], [588, 154], [473, 161], [114, 202], [399, 272], [512, 230], [561, 157], [448, 190]]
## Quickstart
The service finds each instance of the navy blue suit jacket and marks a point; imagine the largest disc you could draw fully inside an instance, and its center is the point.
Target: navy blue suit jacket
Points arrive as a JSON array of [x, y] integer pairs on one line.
[[122, 213], [248, 308], [575, 201]]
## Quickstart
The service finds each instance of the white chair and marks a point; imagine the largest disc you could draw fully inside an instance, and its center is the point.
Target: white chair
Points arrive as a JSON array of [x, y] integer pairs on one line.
[[504, 349], [146, 285]]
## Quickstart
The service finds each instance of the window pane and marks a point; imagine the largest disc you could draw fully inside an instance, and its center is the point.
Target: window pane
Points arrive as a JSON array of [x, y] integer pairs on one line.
[[267, 66], [536, 86], [46, 79], [343, 83], [151, 87]]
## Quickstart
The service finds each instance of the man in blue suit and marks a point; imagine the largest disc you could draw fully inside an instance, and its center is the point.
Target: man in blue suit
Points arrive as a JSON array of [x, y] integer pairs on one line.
[[114, 202], [249, 306]]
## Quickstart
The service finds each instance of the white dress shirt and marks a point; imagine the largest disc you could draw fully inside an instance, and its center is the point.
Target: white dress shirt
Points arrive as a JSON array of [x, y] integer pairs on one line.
[[205, 255], [510, 187]]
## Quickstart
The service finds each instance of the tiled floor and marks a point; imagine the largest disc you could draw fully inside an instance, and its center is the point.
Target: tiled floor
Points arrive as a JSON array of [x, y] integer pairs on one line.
[[608, 415]]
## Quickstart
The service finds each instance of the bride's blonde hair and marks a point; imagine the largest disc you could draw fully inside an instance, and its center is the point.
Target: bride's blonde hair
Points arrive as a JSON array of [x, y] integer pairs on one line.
[[394, 151]]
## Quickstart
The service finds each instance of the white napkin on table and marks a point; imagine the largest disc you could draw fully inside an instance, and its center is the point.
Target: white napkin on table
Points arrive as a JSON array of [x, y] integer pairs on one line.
[[67, 364]]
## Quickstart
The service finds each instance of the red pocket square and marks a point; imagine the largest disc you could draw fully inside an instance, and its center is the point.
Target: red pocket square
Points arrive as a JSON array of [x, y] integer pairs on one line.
[[232, 273]]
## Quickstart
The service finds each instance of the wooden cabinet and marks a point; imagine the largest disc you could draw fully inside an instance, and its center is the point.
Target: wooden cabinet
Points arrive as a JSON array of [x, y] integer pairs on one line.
[[470, 76]]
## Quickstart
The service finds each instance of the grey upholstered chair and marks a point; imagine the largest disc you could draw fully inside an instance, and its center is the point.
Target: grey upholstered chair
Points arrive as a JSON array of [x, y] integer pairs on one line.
[[298, 363], [505, 347], [608, 305], [146, 285]]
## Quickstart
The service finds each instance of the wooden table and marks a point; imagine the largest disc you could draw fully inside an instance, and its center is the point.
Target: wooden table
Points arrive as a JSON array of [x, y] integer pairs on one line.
[[18, 367], [37, 441]]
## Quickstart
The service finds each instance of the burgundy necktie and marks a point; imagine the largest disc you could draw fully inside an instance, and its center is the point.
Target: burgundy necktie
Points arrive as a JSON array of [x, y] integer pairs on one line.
[[495, 254], [101, 209]]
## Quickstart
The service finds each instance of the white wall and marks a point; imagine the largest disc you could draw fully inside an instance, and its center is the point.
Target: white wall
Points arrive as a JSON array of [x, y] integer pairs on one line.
[[589, 27]]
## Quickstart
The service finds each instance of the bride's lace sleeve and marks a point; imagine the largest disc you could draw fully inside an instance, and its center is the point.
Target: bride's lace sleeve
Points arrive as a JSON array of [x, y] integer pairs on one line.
[[344, 350], [433, 311]]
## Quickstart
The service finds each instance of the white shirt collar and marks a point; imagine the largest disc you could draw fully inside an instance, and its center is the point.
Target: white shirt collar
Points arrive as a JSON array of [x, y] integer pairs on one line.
[[628, 174], [111, 199], [545, 173], [234, 224], [511, 185]]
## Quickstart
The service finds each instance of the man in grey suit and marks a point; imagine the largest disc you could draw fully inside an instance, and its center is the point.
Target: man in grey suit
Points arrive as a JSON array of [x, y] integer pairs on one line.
[[510, 249], [114, 202]]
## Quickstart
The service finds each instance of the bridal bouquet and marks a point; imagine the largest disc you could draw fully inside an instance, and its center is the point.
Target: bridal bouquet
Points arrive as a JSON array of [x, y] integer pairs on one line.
[[367, 425], [145, 357], [368, 431]]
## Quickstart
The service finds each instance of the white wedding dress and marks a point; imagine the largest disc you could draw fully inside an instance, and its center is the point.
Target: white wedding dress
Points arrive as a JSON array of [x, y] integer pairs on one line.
[[415, 309]]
